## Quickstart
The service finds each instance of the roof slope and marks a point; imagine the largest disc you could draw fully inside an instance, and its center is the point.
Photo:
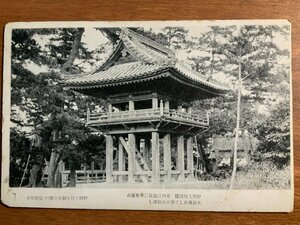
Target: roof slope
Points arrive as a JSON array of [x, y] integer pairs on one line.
[[227, 144], [151, 60], [118, 74]]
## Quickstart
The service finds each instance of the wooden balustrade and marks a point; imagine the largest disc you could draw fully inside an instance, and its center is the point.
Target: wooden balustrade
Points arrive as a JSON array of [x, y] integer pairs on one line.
[[97, 176], [87, 176], [147, 113]]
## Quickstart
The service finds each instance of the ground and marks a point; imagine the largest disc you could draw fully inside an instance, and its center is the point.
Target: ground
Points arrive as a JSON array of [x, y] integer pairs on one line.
[[174, 185]]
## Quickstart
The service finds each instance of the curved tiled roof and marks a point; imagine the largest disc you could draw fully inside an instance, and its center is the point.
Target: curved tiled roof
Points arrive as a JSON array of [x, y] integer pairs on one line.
[[122, 72], [152, 61], [198, 78], [143, 52]]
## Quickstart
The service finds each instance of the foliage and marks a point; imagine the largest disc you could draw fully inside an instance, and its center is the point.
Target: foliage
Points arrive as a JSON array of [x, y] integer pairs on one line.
[[39, 103], [158, 37], [176, 37], [274, 136], [209, 43], [264, 175], [259, 176], [19, 149], [251, 53]]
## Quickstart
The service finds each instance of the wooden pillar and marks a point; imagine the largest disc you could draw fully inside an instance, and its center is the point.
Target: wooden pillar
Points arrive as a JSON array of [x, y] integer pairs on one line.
[[109, 158], [167, 157], [167, 104], [154, 102], [131, 105], [189, 110], [62, 166], [190, 157], [179, 108], [155, 158], [161, 107], [180, 155], [121, 162], [88, 113], [147, 153], [131, 158], [109, 108]]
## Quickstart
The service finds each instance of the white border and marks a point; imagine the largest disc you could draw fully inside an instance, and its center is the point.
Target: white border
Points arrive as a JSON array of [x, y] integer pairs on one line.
[[211, 200]]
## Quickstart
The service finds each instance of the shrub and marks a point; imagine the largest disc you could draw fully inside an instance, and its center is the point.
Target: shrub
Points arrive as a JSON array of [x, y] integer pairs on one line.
[[264, 175]]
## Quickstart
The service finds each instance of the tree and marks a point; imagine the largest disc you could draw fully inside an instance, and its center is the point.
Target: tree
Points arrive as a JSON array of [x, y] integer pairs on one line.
[[88, 150], [76, 45], [248, 56], [158, 37], [209, 52], [274, 135], [40, 103], [176, 37], [251, 52]]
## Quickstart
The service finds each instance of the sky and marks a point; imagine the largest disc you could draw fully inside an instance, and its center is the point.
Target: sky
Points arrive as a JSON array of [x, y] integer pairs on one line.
[[93, 38]]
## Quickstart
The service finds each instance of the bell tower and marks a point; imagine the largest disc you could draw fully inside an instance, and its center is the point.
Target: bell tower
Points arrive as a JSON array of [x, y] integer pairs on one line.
[[149, 123]]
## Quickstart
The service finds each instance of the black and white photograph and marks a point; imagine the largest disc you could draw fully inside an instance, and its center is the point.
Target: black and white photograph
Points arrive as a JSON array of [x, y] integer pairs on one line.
[[165, 115]]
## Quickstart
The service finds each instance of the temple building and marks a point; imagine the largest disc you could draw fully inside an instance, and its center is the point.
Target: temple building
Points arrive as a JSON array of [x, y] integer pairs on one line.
[[149, 123], [221, 150]]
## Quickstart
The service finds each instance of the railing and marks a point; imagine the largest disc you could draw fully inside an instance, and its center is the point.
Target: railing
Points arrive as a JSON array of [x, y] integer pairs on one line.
[[121, 115], [87, 176], [98, 176], [147, 114], [122, 176], [183, 116]]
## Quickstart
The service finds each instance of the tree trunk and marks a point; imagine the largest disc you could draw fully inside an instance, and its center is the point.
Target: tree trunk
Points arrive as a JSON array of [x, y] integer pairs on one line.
[[202, 155], [212, 62], [58, 180], [58, 176], [111, 34], [237, 129], [25, 170], [72, 182], [54, 159], [51, 172], [33, 179], [74, 52], [209, 77]]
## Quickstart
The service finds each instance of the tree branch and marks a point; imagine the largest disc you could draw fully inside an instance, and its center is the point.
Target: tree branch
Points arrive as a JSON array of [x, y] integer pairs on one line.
[[74, 52]]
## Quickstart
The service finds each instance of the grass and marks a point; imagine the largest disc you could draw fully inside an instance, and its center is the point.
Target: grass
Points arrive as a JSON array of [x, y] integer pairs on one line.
[[259, 176]]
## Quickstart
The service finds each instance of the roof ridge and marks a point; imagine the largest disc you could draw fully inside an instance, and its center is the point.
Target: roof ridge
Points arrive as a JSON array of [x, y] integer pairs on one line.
[[181, 66], [127, 64], [143, 56], [140, 51], [131, 49], [109, 57], [149, 41]]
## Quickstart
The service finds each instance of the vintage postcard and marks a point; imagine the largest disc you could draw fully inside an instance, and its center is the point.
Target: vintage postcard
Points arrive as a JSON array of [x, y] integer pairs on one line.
[[149, 115]]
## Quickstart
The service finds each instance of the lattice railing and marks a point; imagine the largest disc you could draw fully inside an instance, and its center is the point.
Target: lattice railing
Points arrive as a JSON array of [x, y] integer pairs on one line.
[[147, 114]]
